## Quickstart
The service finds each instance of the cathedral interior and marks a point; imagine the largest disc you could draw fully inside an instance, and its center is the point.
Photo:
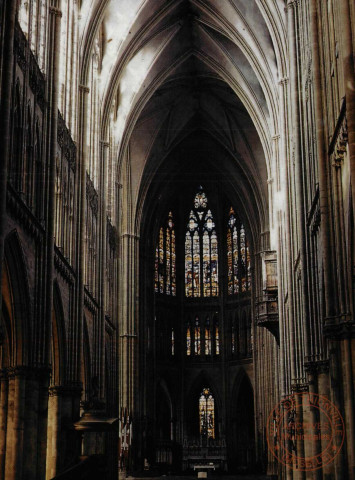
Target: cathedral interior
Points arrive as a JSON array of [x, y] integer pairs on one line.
[[177, 239]]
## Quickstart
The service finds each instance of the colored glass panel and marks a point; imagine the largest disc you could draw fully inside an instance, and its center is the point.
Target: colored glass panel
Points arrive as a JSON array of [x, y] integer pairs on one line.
[[172, 342], [161, 260], [208, 341], [188, 265], [243, 258], [196, 265], [165, 260], [173, 264], [207, 414], [188, 341], [168, 261], [201, 251], [214, 264], [206, 265], [197, 335], [216, 338]]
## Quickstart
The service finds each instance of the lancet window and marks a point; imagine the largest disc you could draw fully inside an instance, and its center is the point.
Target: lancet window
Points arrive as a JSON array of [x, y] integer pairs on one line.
[[238, 256], [201, 250], [165, 259], [207, 414]]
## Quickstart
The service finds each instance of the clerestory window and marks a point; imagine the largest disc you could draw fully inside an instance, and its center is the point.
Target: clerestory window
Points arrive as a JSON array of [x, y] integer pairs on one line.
[[165, 259]]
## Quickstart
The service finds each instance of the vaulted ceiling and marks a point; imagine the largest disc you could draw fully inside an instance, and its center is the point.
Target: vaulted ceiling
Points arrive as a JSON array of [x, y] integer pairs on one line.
[[172, 69]]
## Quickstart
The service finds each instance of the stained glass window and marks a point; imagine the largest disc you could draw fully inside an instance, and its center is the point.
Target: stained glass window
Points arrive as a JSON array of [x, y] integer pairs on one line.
[[201, 251], [233, 339], [197, 335], [188, 340], [165, 259], [238, 256], [207, 414], [208, 339], [216, 337]]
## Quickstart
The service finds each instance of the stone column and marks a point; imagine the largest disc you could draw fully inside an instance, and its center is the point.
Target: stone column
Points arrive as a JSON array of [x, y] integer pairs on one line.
[[3, 419], [54, 425], [102, 264], [31, 426], [128, 299], [347, 53], [75, 359], [62, 446], [7, 74], [52, 130], [322, 162], [15, 432], [128, 312], [42, 420]]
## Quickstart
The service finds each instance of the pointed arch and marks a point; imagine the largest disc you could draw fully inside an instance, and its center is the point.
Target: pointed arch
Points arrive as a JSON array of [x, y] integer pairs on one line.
[[58, 338], [242, 424], [164, 410], [192, 401], [16, 271], [85, 363]]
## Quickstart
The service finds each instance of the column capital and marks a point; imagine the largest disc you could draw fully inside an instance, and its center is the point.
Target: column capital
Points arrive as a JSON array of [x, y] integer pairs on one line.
[[55, 11], [84, 88], [65, 390]]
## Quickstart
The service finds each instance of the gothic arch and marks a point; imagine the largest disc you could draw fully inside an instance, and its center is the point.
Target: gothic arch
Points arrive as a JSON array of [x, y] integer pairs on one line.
[[242, 425], [58, 338], [86, 363], [20, 300], [164, 410], [191, 398], [5, 327]]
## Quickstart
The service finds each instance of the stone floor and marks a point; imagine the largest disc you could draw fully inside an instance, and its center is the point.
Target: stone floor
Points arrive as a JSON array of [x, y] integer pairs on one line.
[[212, 476]]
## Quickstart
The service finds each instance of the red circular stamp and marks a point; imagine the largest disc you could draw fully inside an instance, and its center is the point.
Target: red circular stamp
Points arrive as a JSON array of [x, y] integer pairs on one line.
[[305, 431]]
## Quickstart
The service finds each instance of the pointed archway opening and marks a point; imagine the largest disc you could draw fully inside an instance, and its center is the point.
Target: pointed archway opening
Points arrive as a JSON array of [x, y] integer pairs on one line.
[[195, 320], [241, 451]]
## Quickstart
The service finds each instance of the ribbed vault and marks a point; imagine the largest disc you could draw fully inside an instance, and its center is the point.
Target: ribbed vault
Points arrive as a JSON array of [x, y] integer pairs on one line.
[[204, 68]]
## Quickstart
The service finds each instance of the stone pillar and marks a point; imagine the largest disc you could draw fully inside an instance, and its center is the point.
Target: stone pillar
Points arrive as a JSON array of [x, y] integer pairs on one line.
[[322, 162], [31, 426], [62, 447], [349, 82], [7, 74], [52, 131], [102, 264], [128, 312], [76, 357], [348, 386], [54, 427], [15, 431], [3, 420], [323, 389]]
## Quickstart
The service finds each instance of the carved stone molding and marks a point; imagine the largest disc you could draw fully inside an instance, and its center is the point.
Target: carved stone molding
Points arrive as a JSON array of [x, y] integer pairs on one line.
[[72, 390], [267, 313], [66, 142], [112, 235], [63, 267], [27, 371], [337, 146], [19, 211], [317, 367], [299, 387], [20, 48], [339, 328], [92, 195]]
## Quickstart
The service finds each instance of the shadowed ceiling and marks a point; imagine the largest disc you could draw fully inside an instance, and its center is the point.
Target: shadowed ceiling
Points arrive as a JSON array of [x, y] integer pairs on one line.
[[198, 69]]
